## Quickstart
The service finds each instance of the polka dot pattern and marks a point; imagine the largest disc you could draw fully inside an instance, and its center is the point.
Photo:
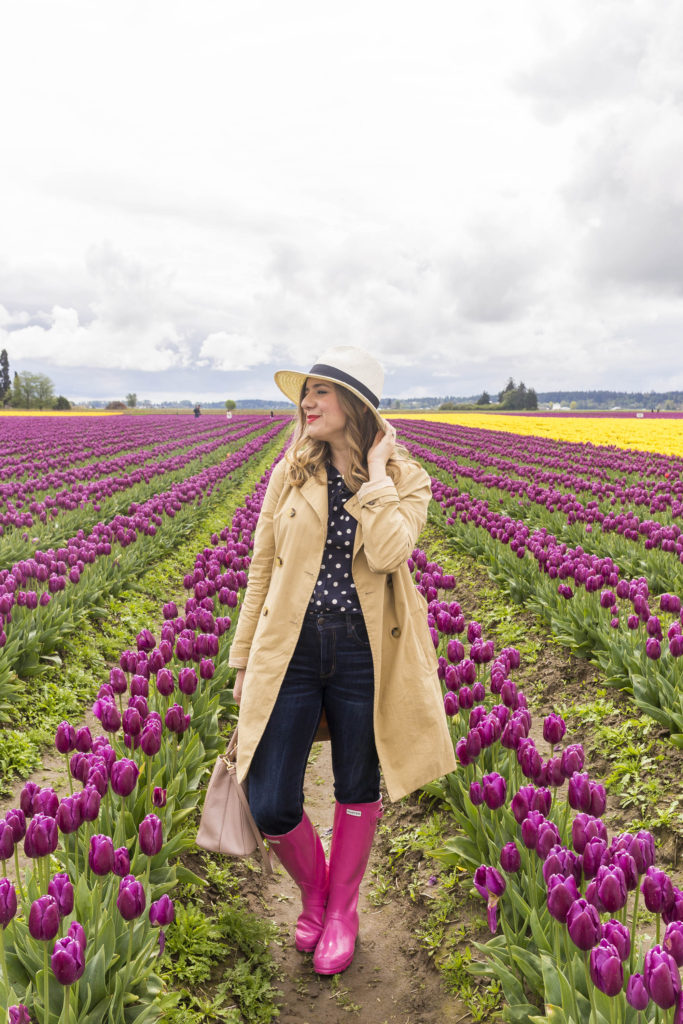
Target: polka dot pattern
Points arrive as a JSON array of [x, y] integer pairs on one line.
[[335, 590]]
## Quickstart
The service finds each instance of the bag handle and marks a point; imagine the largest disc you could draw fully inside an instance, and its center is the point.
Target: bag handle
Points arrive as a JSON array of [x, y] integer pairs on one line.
[[229, 759]]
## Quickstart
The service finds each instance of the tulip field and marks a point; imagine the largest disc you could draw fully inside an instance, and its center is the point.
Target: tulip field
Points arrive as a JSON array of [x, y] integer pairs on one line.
[[586, 927]]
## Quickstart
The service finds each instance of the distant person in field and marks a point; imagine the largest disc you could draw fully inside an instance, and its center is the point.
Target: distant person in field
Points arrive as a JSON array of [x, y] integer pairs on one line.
[[197, 410], [333, 633]]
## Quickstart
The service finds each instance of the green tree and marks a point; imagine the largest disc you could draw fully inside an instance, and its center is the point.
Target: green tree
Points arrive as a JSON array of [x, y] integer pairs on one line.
[[4, 376], [531, 399], [484, 398], [230, 405], [509, 387], [32, 391], [17, 396], [131, 400], [61, 403]]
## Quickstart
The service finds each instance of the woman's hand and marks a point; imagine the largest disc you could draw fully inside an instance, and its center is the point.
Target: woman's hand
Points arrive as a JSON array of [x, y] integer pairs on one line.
[[239, 683], [381, 450]]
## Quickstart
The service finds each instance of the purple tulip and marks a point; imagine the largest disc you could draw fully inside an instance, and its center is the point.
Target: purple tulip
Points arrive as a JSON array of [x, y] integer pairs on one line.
[[573, 759], [90, 799], [494, 789], [657, 890], [121, 862], [77, 933], [177, 721], [41, 836], [110, 718], [673, 941], [661, 977], [674, 912], [636, 993], [510, 858], [490, 884], [159, 797], [151, 835], [585, 828], [43, 919], [16, 819], [610, 888], [46, 802], [63, 891], [19, 1015], [451, 707], [206, 668], [579, 793], [562, 893], [583, 924], [476, 793], [124, 776], [65, 738], [162, 913], [625, 861], [131, 900], [101, 855], [139, 686], [642, 849], [67, 961], [26, 798], [8, 902], [530, 827], [554, 728], [6, 840], [165, 684], [653, 649], [620, 937], [131, 722], [561, 861], [83, 739], [187, 680], [606, 970]]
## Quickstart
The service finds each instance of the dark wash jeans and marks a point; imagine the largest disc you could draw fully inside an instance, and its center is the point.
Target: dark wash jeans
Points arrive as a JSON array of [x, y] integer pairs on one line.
[[331, 669]]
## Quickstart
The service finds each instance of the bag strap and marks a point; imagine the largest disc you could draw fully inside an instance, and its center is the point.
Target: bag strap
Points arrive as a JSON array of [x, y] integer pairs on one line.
[[230, 757]]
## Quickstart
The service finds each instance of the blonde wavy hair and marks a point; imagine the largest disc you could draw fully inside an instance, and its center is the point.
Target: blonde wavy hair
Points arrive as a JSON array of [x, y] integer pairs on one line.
[[306, 456]]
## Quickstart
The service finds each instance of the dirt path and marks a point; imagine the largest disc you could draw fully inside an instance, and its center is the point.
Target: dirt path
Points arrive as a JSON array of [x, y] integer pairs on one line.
[[391, 980]]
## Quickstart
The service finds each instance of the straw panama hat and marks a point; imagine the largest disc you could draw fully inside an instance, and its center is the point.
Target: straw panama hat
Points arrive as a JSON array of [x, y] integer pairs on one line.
[[350, 367]]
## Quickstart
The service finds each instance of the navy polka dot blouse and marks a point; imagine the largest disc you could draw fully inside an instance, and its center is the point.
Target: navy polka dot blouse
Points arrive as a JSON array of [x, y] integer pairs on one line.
[[335, 590]]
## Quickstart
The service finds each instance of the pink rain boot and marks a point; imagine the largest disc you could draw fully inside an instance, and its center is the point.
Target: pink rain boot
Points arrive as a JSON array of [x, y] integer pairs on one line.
[[302, 856], [354, 830]]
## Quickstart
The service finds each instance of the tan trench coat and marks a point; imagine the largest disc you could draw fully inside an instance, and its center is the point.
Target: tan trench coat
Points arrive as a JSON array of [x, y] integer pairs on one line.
[[411, 735]]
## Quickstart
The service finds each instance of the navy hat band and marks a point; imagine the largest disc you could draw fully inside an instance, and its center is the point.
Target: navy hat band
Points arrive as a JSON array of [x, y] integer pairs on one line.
[[323, 370]]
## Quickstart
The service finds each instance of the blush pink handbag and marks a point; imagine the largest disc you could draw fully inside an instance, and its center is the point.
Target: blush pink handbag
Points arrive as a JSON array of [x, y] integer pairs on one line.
[[226, 825]]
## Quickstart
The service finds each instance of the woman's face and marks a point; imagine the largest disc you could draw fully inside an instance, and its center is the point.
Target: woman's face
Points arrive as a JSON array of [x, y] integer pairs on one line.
[[325, 418]]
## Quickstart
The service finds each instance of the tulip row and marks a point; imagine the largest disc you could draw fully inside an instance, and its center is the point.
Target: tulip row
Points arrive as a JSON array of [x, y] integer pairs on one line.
[[44, 598], [602, 615], [87, 928], [523, 466], [562, 889], [105, 488], [624, 536]]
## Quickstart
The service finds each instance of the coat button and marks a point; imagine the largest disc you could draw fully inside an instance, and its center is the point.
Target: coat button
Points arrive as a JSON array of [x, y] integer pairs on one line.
[[292, 512], [265, 611], [396, 632], [279, 560]]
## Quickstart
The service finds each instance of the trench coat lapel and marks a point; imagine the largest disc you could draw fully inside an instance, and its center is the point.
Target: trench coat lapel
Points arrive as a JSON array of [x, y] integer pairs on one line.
[[315, 492]]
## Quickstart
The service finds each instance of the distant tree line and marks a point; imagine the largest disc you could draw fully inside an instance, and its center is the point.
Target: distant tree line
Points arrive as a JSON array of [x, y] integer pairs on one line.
[[512, 397], [28, 390]]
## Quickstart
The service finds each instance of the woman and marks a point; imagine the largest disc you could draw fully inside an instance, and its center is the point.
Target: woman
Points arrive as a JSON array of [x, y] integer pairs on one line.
[[332, 624]]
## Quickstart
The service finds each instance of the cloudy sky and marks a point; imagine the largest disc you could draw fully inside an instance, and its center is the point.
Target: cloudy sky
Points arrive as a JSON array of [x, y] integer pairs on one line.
[[193, 195]]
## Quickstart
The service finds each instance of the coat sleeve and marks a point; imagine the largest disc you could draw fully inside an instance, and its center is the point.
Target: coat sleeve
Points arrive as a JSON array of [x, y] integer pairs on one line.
[[392, 518], [260, 571]]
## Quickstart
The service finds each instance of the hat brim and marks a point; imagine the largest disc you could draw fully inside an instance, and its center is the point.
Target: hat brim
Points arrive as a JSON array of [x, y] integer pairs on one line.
[[290, 383]]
